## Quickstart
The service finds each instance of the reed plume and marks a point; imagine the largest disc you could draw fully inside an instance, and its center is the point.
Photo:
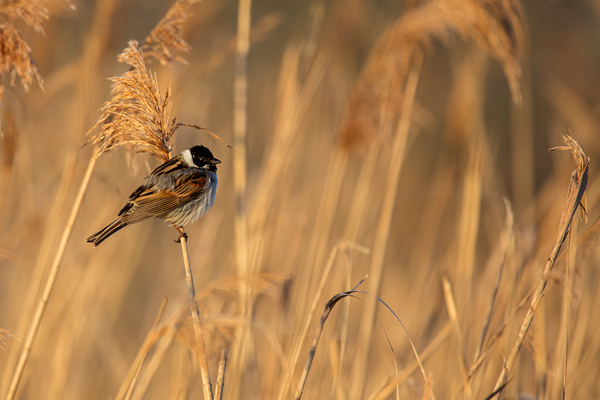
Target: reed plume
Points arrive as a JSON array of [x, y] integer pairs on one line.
[[137, 114], [167, 37], [497, 26]]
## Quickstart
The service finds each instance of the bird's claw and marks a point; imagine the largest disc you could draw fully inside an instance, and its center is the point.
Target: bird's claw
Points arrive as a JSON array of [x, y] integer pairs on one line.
[[182, 234]]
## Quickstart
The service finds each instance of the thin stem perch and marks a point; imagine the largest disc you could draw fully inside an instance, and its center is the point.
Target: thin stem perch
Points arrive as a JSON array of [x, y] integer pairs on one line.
[[206, 384]]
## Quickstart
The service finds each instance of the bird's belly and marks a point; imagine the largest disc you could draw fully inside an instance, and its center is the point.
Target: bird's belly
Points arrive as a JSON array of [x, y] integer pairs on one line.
[[193, 210]]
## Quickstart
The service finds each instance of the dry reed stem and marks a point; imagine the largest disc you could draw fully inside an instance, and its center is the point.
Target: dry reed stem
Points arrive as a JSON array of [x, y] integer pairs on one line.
[[385, 218], [577, 187], [16, 258], [345, 318], [221, 375], [301, 74], [522, 145], [384, 390], [453, 314], [426, 238], [556, 386], [294, 99], [157, 356], [206, 384], [167, 36], [469, 224], [9, 138], [293, 360], [50, 281], [359, 200], [323, 222], [242, 340], [296, 94], [508, 244], [181, 373], [428, 390], [258, 32], [130, 381], [240, 123], [90, 59], [336, 367]]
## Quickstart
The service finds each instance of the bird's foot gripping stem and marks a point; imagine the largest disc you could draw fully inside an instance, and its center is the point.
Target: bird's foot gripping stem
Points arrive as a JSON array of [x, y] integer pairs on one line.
[[182, 234]]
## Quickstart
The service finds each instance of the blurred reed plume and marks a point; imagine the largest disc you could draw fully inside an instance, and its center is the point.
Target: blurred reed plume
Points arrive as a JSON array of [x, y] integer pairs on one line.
[[32, 12], [4, 334], [497, 26], [16, 60], [167, 37]]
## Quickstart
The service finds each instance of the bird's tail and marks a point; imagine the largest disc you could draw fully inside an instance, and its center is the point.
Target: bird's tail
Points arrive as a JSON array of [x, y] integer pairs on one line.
[[107, 232]]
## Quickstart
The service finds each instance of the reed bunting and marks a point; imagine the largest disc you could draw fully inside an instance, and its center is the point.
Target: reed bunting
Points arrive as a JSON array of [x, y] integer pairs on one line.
[[179, 191]]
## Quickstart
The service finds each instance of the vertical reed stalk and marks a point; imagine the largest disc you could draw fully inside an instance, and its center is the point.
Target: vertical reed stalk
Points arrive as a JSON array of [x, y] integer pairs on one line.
[[359, 200], [469, 225], [322, 227], [385, 218], [240, 118], [50, 281], [221, 375], [241, 342], [206, 384], [42, 258], [126, 391], [522, 146]]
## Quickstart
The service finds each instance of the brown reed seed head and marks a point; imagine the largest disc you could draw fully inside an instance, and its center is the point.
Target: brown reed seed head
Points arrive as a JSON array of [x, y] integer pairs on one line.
[[167, 37], [497, 26], [582, 162], [137, 114], [15, 58], [32, 12]]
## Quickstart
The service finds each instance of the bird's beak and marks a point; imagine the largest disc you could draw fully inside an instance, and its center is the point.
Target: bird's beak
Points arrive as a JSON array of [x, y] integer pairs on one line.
[[215, 161]]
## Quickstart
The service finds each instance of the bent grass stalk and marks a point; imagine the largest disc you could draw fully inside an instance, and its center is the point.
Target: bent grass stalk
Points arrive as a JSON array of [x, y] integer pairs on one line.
[[311, 313]]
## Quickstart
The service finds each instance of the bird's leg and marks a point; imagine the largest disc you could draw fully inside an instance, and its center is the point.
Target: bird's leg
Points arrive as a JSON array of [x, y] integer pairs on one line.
[[182, 234]]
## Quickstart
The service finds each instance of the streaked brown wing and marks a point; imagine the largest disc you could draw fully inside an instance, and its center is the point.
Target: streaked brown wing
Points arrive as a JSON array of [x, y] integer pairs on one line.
[[165, 168], [150, 203], [168, 167]]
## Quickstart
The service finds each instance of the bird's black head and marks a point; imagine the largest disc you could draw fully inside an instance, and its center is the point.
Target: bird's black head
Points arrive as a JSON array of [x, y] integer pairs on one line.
[[203, 158]]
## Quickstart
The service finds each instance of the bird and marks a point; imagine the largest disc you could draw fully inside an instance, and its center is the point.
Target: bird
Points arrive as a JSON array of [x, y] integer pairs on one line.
[[179, 191]]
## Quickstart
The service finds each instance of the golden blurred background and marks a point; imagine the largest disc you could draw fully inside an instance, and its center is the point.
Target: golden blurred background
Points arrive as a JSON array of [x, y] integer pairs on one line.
[[345, 177]]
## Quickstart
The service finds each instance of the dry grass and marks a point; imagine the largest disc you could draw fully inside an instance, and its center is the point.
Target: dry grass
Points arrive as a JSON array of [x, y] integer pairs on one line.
[[398, 133]]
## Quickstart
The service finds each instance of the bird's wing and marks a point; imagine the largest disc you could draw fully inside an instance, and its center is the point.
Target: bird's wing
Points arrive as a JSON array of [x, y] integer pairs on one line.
[[169, 166], [147, 202]]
